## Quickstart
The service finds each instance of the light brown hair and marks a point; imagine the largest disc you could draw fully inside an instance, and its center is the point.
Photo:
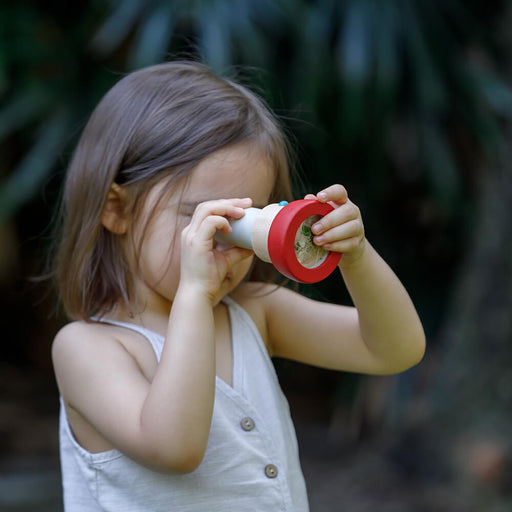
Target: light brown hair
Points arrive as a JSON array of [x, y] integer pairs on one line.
[[155, 124]]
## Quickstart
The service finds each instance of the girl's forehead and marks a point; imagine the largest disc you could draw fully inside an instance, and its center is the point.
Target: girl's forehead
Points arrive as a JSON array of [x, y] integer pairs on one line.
[[238, 171]]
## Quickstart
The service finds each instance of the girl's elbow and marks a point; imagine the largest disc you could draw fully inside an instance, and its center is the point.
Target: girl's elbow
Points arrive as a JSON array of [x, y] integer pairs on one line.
[[415, 352], [411, 354], [185, 465], [176, 461], [420, 345], [422, 350], [190, 462]]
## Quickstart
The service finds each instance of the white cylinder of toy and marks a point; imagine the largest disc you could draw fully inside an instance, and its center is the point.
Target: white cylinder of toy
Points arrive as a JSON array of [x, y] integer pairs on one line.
[[251, 231], [241, 234]]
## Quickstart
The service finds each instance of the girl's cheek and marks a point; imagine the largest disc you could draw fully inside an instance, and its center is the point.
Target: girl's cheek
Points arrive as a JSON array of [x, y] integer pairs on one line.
[[245, 267]]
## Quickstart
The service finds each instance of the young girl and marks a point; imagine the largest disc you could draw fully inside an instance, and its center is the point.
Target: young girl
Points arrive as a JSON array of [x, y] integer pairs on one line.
[[169, 397]]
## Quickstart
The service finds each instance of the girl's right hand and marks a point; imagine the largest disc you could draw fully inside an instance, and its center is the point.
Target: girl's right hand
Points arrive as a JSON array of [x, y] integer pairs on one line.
[[202, 265]]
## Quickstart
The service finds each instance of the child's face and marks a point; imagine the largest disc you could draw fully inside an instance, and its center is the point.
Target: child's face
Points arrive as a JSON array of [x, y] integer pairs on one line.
[[236, 172]]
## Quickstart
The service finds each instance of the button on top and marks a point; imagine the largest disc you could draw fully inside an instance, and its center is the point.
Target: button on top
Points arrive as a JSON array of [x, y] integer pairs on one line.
[[247, 424], [271, 471]]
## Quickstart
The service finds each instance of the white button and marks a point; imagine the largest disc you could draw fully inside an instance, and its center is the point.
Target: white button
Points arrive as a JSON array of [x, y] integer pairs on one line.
[[247, 424], [271, 471]]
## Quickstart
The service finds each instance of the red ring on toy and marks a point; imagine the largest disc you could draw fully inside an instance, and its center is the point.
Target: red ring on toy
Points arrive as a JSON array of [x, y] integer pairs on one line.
[[281, 241]]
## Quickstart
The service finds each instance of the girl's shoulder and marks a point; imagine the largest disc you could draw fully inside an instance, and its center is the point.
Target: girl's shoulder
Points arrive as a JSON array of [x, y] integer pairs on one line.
[[259, 300], [80, 328], [258, 297], [81, 344], [81, 333], [77, 335], [252, 296]]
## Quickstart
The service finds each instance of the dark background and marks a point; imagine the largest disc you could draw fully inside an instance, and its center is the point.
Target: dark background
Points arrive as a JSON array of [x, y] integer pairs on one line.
[[406, 103]]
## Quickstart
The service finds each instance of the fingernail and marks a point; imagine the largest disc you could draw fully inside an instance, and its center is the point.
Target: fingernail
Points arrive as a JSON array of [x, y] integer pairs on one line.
[[321, 195], [316, 228]]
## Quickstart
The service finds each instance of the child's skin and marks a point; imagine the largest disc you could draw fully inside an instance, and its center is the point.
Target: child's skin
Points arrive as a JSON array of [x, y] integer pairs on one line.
[[108, 376]]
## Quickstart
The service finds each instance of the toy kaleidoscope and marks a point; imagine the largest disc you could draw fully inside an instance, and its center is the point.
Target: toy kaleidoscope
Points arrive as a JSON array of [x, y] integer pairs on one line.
[[281, 234]]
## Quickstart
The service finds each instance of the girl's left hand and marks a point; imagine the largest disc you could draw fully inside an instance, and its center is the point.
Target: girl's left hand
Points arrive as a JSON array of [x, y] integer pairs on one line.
[[342, 229]]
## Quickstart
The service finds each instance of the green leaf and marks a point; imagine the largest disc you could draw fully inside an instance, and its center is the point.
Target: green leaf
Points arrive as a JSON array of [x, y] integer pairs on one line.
[[3, 73], [117, 27], [354, 57], [496, 93], [312, 65], [387, 64], [215, 36], [153, 36], [27, 178], [428, 86], [27, 106], [440, 164]]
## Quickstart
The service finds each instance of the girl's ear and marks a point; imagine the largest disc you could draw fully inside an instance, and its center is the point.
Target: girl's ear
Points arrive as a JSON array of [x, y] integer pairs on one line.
[[114, 216]]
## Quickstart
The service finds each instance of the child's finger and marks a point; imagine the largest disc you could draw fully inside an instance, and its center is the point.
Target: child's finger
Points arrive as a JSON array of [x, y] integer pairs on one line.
[[209, 226], [233, 208], [345, 213], [334, 194], [347, 230], [201, 235], [345, 246]]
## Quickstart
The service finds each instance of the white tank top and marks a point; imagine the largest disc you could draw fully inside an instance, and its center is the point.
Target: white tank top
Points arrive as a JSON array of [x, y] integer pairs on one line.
[[251, 461]]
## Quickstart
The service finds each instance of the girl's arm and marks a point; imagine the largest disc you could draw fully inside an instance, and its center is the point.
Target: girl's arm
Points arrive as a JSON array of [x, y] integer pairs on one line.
[[185, 380], [162, 421], [382, 334]]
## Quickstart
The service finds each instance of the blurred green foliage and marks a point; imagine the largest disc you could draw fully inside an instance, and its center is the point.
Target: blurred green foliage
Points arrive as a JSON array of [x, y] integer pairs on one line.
[[389, 83], [397, 99], [403, 101]]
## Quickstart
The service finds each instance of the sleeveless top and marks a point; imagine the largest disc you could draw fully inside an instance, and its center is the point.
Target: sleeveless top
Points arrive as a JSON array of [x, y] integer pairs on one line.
[[251, 462]]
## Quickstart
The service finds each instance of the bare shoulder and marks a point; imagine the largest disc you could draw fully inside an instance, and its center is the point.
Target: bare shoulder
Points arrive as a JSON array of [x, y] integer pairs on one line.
[[77, 338], [81, 349], [252, 296], [258, 299], [75, 345], [74, 338]]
